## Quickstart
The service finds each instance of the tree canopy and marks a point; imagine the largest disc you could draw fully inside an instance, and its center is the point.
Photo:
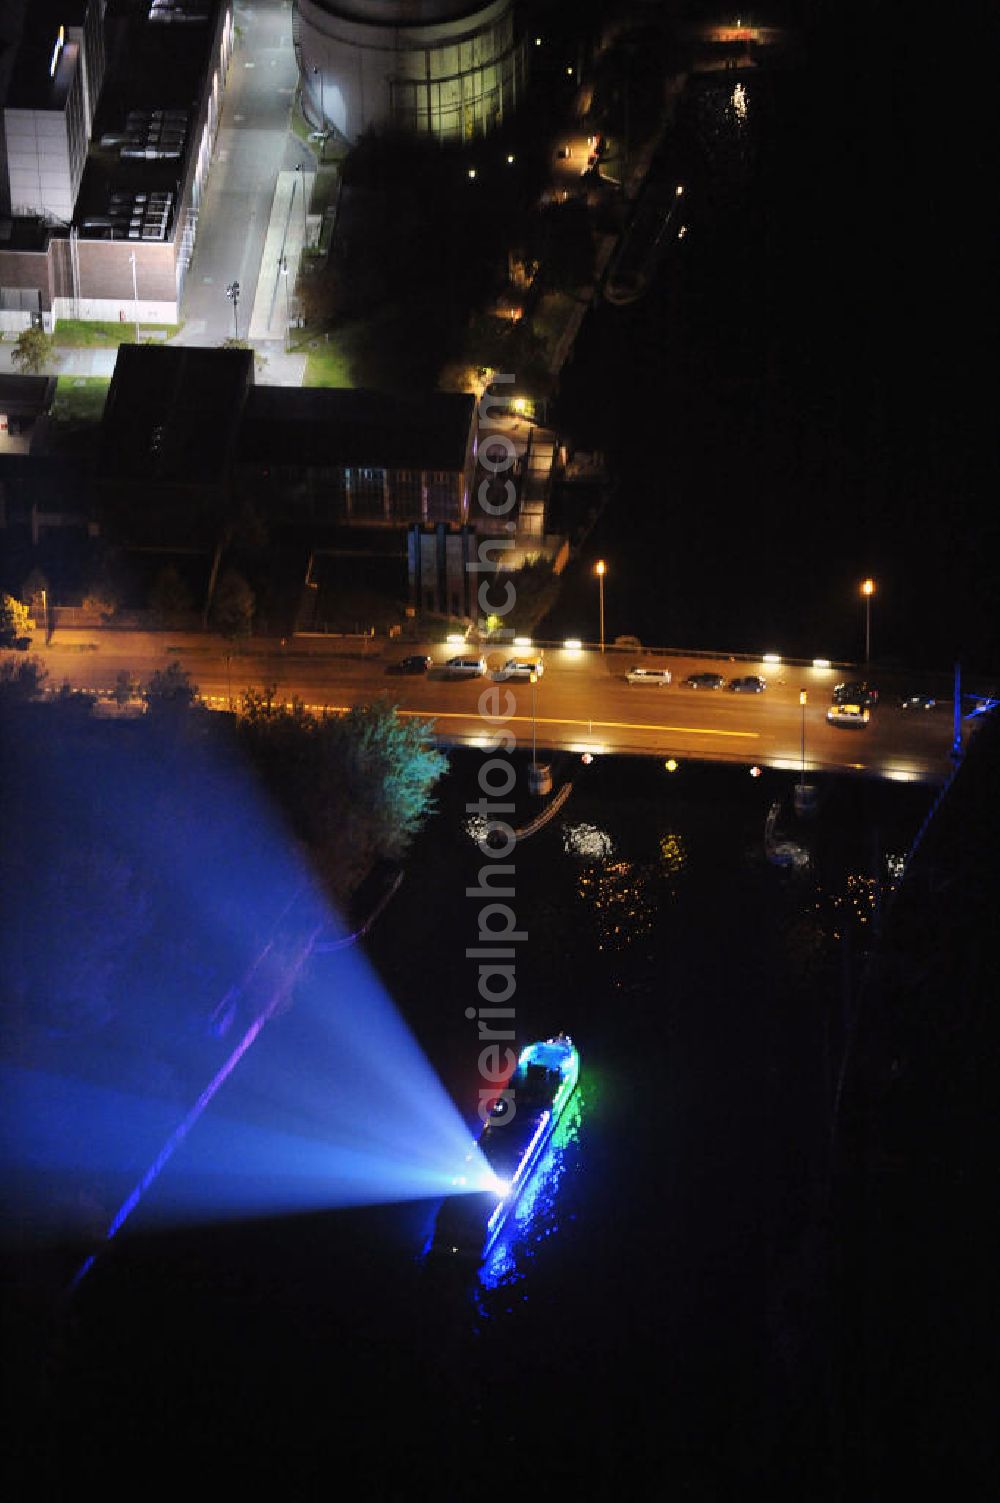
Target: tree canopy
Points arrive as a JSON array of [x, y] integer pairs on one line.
[[15, 622], [33, 351], [21, 679], [170, 691], [355, 788]]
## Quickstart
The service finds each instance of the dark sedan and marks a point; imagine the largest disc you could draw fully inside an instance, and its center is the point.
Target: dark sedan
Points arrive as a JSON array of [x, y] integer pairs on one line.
[[750, 683], [917, 702], [856, 693], [704, 681], [416, 663]]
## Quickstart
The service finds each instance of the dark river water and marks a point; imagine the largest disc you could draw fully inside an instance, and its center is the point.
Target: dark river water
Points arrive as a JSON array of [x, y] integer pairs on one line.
[[662, 1313], [795, 405]]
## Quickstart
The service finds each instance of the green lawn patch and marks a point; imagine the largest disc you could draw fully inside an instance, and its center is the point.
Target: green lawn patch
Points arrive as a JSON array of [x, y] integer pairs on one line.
[[78, 333], [79, 400], [328, 358]]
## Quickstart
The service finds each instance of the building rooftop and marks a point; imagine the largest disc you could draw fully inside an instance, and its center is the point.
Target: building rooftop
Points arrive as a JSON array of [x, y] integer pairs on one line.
[[23, 233], [26, 396], [173, 415], [151, 68], [347, 426], [41, 71]]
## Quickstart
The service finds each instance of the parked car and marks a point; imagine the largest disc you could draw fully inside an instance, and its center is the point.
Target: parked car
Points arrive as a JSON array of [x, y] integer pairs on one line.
[[522, 668], [466, 666], [704, 681], [417, 662], [844, 714], [659, 677], [856, 693], [917, 702], [750, 683]]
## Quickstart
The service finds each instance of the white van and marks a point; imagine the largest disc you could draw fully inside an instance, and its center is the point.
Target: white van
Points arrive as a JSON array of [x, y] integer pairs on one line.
[[653, 676], [523, 668], [467, 667]]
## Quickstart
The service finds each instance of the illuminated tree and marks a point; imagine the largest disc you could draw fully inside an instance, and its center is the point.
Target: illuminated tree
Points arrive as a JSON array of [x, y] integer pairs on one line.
[[33, 351], [15, 622], [355, 788]]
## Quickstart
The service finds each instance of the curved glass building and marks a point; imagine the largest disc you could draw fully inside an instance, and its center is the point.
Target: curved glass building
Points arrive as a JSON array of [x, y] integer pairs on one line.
[[451, 68]]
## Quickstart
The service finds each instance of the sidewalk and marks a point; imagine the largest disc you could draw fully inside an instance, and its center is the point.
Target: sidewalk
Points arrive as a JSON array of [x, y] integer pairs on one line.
[[283, 244], [68, 362]]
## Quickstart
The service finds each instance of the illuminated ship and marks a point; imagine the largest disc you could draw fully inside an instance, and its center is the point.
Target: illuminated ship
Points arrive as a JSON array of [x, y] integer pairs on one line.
[[513, 1142]]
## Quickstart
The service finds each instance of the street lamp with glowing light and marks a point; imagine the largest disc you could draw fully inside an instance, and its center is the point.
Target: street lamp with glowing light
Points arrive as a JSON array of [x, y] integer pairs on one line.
[[867, 591], [600, 569]]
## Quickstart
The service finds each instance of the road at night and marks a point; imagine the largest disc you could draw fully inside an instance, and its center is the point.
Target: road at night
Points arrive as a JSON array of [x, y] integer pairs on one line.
[[253, 146], [583, 701]]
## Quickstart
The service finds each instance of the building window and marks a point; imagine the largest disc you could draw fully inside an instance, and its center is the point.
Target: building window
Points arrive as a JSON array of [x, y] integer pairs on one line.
[[367, 494], [442, 500], [405, 495]]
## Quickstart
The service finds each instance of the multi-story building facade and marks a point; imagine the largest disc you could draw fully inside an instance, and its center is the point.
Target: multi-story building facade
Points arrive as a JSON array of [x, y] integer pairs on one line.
[[103, 171]]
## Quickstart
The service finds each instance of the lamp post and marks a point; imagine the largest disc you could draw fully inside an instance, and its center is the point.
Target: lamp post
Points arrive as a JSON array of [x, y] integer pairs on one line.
[[302, 185], [600, 569], [322, 107], [802, 702], [135, 296], [288, 316], [233, 294], [539, 774], [533, 680], [867, 591]]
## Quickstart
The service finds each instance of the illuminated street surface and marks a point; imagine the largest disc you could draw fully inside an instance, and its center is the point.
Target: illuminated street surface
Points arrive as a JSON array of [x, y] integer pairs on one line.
[[583, 702]]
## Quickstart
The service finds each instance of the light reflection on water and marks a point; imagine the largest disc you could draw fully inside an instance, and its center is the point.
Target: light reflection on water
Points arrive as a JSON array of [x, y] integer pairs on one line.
[[540, 1206], [673, 853], [586, 840], [623, 896], [622, 900]]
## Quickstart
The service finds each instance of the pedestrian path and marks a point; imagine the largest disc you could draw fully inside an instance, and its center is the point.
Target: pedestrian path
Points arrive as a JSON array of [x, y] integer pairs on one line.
[[283, 244], [65, 361]]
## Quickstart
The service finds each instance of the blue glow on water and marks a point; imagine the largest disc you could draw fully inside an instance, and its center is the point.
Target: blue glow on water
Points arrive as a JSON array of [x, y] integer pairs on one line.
[[536, 1214], [255, 1069]]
